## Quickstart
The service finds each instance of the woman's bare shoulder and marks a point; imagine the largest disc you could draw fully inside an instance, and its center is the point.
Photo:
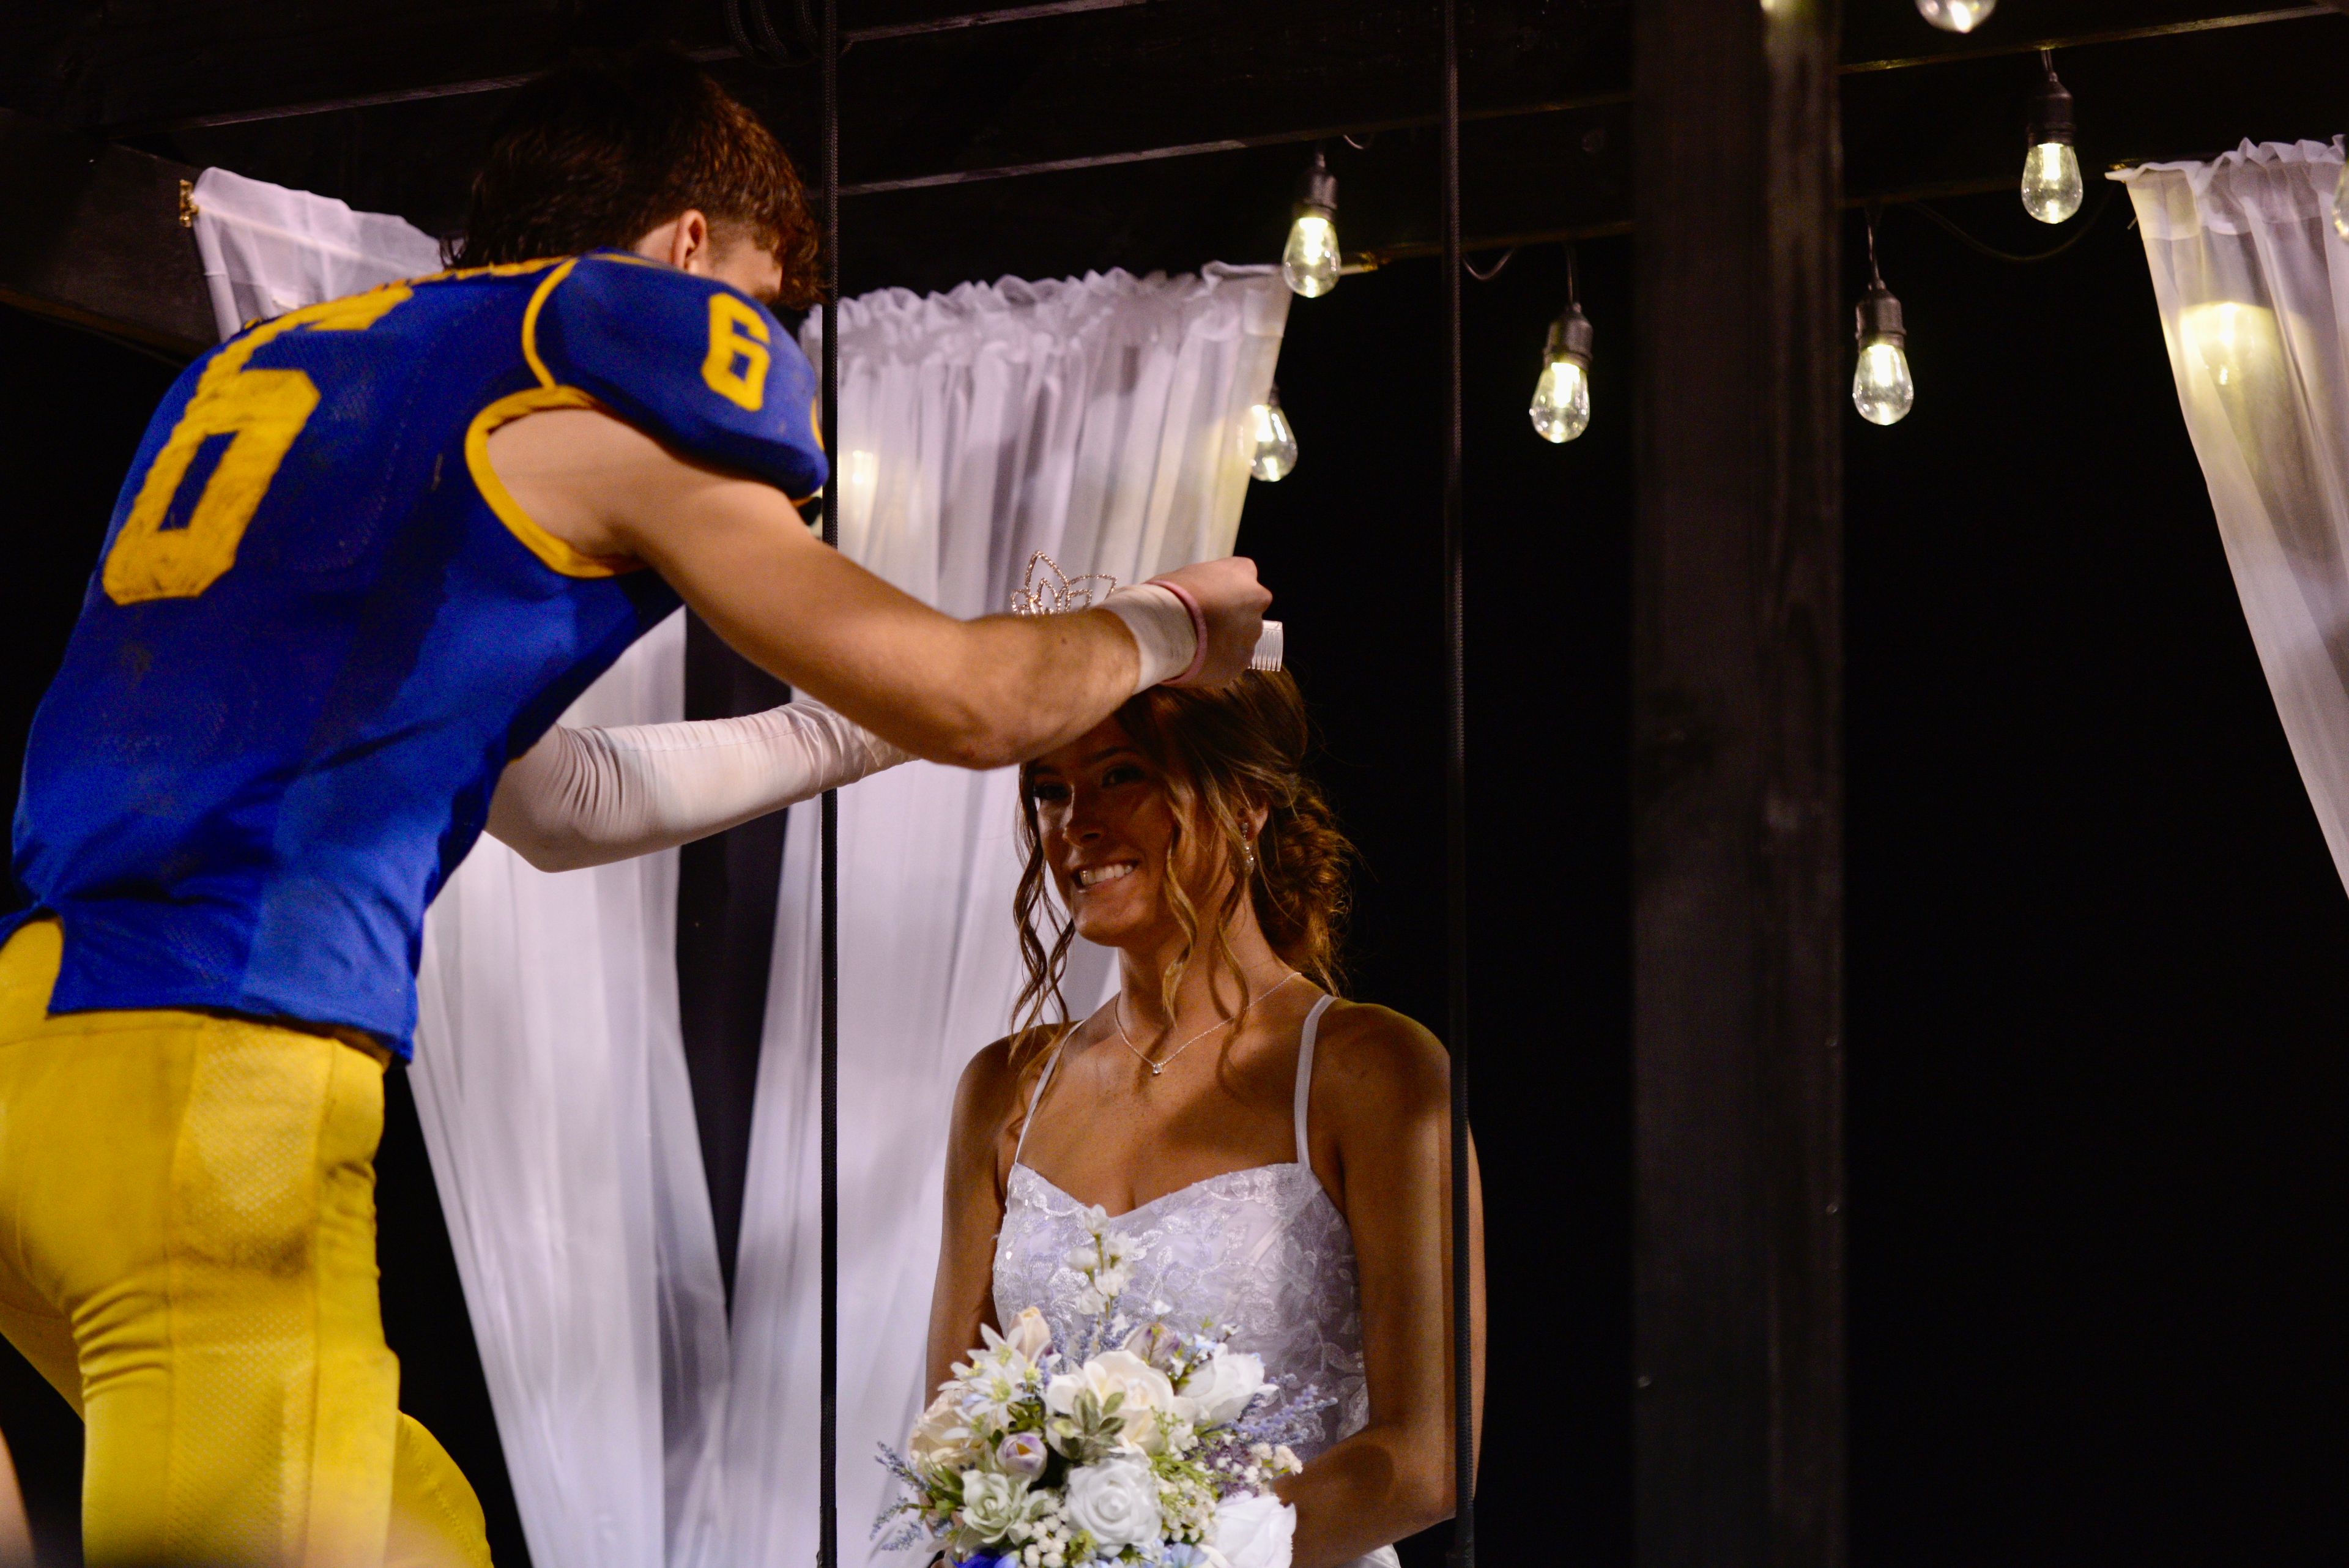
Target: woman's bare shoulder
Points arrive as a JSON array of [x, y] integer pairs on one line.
[[997, 1076], [1380, 1063]]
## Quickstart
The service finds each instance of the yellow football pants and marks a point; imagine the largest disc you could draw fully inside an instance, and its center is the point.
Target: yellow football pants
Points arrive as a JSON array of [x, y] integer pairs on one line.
[[187, 1252]]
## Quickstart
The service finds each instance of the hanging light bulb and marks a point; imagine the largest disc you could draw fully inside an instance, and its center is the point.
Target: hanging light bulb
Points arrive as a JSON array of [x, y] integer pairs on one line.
[[2051, 169], [1561, 409], [1956, 16], [1272, 444], [1880, 386], [1309, 263], [2341, 203]]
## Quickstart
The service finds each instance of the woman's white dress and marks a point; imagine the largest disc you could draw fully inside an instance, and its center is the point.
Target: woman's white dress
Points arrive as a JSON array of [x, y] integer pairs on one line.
[[1263, 1252]]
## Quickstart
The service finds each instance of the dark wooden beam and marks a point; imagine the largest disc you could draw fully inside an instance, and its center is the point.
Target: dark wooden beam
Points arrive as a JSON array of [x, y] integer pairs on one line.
[[1742, 342], [466, 86], [90, 234]]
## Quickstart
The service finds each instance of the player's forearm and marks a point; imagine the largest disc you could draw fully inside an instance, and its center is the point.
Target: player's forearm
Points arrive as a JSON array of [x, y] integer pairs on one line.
[[979, 694], [976, 694], [1026, 684], [588, 797]]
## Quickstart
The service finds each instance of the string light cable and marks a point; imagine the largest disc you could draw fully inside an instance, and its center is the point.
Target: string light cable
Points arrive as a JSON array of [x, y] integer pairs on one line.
[[1949, 226], [1489, 274]]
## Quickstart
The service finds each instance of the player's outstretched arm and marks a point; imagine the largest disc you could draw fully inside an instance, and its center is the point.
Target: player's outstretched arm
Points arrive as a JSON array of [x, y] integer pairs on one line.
[[979, 694], [590, 796]]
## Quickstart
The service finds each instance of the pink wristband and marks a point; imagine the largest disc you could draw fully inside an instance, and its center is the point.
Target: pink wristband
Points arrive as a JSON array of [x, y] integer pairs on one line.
[[1198, 629]]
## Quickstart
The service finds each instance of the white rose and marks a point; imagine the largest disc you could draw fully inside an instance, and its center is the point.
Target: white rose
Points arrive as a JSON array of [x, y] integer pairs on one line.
[[940, 1439], [1253, 1531], [1145, 1388], [1219, 1391], [1122, 1371], [1116, 1502], [1149, 1396]]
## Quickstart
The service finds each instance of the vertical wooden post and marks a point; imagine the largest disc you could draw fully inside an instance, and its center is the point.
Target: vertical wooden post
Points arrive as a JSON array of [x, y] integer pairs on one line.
[[1738, 795]]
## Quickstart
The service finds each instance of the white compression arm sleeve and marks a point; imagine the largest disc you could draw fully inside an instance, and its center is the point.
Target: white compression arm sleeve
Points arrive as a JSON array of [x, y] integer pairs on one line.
[[584, 797], [1162, 629]]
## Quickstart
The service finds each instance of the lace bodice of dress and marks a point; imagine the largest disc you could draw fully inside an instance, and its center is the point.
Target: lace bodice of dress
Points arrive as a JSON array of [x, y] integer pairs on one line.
[[1262, 1252]]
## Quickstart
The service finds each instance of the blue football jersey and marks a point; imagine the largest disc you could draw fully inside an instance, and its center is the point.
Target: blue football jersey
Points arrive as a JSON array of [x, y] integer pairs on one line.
[[320, 628]]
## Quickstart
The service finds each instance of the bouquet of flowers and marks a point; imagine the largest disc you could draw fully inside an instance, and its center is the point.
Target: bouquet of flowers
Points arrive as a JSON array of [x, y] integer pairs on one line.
[[1140, 1444]]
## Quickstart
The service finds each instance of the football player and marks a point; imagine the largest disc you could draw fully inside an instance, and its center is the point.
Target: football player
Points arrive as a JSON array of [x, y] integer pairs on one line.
[[364, 556]]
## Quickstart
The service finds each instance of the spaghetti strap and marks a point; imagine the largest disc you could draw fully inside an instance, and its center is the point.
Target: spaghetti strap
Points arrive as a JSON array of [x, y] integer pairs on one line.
[[1036, 1098], [1304, 1075]]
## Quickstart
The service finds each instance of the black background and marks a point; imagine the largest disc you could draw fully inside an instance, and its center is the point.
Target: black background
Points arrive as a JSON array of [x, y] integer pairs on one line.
[[2097, 989]]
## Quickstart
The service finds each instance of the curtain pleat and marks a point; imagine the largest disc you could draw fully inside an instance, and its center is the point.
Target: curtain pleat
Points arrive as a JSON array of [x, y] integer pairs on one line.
[[550, 1078], [2251, 279]]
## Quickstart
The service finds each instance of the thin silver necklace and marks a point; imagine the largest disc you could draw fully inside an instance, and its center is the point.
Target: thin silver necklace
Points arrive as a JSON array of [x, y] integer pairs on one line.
[[1117, 1006]]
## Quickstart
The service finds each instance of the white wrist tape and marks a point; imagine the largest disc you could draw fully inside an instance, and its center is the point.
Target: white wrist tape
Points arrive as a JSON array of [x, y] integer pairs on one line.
[[584, 797], [1161, 628]]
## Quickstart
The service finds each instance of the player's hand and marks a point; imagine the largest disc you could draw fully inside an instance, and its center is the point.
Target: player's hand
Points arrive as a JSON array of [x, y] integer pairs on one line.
[[1233, 604]]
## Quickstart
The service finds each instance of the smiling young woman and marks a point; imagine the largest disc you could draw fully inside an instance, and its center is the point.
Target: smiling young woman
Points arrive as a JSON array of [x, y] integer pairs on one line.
[[1280, 1157]]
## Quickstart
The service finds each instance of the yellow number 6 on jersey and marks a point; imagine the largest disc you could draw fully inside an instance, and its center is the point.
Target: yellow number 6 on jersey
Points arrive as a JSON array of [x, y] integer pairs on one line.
[[254, 416], [737, 332]]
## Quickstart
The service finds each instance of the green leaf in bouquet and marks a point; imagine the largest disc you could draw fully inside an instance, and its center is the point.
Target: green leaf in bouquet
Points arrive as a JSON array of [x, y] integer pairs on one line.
[[1091, 1430]]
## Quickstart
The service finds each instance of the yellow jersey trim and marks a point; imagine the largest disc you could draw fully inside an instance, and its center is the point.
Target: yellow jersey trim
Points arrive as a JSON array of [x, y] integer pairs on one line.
[[559, 553], [529, 321], [487, 269]]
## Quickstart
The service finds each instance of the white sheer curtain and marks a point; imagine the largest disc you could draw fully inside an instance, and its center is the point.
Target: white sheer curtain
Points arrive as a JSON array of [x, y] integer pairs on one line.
[[2252, 282], [550, 1078], [1101, 419], [267, 250]]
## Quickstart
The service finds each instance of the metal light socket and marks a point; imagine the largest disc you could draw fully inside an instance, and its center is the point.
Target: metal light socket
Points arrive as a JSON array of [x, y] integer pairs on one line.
[[1317, 191], [2051, 114], [1570, 336], [1879, 317]]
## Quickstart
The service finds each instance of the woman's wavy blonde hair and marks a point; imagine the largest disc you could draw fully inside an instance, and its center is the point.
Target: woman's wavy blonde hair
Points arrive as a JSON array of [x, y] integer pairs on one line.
[[1221, 750]]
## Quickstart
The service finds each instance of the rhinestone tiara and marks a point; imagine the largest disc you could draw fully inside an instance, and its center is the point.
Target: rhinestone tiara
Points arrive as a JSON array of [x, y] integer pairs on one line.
[[1059, 593]]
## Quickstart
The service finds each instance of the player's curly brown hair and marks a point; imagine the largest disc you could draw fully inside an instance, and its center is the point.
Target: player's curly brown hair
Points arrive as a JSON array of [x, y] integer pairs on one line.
[[1221, 750], [612, 144]]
